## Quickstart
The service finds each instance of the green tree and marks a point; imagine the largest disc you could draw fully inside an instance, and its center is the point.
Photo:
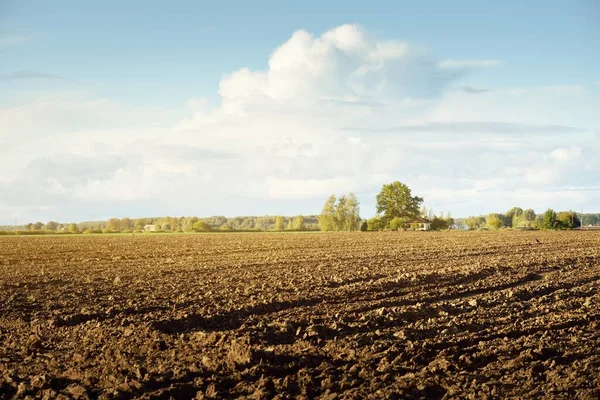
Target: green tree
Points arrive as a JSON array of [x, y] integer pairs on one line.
[[73, 228], [396, 200], [139, 224], [326, 218], [494, 222], [512, 216], [51, 226], [279, 224], [471, 223], [126, 224], [290, 225], [340, 214], [550, 220], [529, 214], [298, 223], [375, 224], [449, 221], [515, 211], [525, 220], [200, 226], [364, 226], [475, 222], [439, 224], [352, 213], [346, 215], [175, 224], [113, 225], [187, 224], [568, 220], [398, 223]]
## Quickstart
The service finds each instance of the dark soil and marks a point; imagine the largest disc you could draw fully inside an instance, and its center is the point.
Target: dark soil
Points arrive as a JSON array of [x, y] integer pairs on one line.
[[364, 315]]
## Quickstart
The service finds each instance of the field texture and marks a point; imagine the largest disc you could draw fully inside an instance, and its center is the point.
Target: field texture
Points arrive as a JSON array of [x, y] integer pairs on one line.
[[363, 315]]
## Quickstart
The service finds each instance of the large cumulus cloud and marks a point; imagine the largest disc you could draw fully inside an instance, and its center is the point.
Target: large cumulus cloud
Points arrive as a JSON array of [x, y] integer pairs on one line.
[[336, 112]]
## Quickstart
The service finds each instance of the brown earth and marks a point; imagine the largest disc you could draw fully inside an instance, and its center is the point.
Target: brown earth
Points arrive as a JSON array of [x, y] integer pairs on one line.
[[363, 315]]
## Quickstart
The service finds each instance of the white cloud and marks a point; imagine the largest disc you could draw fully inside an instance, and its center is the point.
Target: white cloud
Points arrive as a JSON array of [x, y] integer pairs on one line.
[[451, 64], [542, 175], [566, 155], [333, 113], [344, 64]]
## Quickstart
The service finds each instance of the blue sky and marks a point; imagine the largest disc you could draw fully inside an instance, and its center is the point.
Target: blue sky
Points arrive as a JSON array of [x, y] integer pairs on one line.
[[184, 47], [86, 82]]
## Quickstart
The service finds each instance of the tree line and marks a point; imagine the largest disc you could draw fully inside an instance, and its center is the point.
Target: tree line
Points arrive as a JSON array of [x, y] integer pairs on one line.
[[171, 224], [397, 209], [517, 218]]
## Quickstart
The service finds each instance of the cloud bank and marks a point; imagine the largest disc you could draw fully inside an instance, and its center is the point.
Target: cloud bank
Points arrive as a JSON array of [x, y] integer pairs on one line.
[[332, 113]]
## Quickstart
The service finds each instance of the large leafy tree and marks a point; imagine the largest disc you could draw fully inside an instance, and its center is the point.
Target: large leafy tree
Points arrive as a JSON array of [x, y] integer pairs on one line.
[[298, 224], [375, 224], [340, 214], [475, 222], [494, 221], [352, 213], [568, 219], [512, 216], [200, 226], [279, 223], [125, 224], [395, 200], [525, 220], [51, 226], [73, 228], [550, 220], [113, 225], [326, 218]]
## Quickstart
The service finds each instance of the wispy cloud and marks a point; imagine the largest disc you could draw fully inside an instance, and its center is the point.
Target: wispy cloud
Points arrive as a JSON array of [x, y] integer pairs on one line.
[[473, 90], [11, 40], [474, 127], [25, 75], [451, 64]]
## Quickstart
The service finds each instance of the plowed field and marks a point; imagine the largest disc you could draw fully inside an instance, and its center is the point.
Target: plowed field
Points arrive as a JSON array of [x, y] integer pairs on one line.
[[363, 315]]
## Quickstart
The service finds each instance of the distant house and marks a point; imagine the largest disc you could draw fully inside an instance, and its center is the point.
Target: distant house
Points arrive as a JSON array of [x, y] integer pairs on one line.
[[149, 228], [420, 224]]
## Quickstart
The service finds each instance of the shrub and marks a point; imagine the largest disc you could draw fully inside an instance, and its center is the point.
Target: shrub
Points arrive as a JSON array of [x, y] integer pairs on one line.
[[398, 223], [200, 226], [494, 222], [375, 224]]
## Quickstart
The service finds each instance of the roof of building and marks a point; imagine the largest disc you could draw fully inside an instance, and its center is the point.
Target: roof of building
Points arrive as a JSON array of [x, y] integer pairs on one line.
[[419, 220]]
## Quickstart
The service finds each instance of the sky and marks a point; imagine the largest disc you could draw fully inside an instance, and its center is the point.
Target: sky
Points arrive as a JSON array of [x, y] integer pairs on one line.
[[144, 108]]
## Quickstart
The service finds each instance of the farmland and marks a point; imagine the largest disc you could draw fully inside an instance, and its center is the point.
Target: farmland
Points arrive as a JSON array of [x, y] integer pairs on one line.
[[354, 315]]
